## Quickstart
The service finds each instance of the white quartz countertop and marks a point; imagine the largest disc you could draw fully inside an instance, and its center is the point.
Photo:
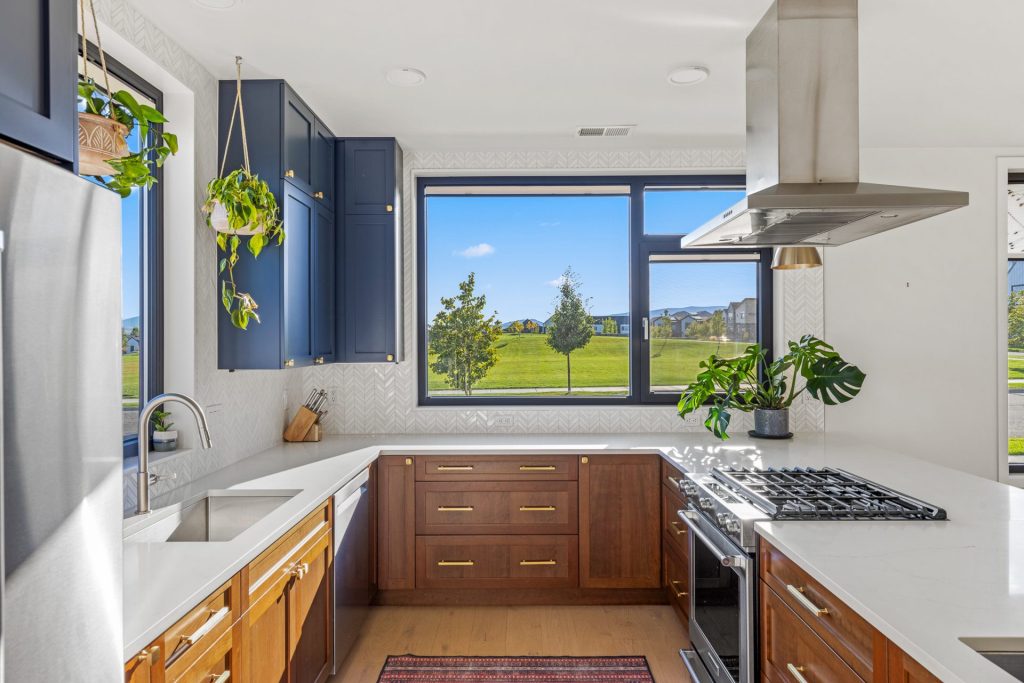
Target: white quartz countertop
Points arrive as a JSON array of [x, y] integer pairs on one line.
[[922, 584]]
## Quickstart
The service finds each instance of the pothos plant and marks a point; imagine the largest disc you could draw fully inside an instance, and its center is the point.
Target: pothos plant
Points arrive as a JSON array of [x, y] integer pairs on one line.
[[749, 382], [251, 213]]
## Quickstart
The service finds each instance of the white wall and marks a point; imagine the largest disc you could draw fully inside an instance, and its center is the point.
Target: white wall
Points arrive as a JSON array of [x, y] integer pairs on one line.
[[917, 309]]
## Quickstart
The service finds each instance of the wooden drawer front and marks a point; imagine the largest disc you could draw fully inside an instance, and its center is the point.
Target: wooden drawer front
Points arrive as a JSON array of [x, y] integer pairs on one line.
[[672, 478], [496, 561], [495, 467], [274, 563], [673, 529], [788, 645], [844, 630], [197, 631], [677, 580], [214, 666], [529, 507]]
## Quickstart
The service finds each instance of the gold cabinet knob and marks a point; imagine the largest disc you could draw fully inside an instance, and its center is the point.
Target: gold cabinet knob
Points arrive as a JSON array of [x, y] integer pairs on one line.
[[390, 208], [290, 363], [319, 360], [289, 173], [408, 461], [390, 357], [300, 570], [318, 195], [584, 460]]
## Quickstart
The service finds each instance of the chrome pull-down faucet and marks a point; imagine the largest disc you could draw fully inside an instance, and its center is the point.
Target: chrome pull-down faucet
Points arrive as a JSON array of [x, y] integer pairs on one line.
[[144, 477]]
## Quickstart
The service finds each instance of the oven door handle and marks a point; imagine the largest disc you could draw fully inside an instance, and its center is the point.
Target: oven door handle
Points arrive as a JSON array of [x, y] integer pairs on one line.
[[689, 516]]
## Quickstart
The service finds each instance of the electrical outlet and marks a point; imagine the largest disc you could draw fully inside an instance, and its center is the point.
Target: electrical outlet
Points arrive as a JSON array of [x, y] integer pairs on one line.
[[333, 396], [503, 421]]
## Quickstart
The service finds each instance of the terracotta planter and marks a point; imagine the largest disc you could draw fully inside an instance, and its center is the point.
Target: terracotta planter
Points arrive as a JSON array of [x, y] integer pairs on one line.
[[100, 139], [219, 221]]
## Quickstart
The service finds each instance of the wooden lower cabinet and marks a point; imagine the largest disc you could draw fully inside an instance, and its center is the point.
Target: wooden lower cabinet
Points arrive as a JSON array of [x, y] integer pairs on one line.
[[904, 669], [396, 523], [273, 622]]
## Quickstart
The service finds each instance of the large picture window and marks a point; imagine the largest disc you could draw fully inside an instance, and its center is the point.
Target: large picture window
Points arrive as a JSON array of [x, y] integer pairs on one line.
[[575, 290], [141, 337]]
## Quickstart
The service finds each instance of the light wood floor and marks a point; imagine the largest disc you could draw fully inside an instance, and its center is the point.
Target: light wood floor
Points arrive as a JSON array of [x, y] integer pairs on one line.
[[650, 630]]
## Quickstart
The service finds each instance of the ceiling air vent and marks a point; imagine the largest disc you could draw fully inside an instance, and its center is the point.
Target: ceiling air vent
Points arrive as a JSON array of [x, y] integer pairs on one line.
[[604, 131]]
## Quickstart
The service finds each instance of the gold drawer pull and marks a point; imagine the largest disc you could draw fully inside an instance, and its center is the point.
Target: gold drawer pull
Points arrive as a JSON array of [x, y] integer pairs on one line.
[[454, 468], [678, 528], [536, 508], [537, 563], [207, 626], [220, 678], [318, 195], [300, 570], [798, 593], [679, 593], [456, 563], [289, 173], [798, 672], [537, 468], [454, 508]]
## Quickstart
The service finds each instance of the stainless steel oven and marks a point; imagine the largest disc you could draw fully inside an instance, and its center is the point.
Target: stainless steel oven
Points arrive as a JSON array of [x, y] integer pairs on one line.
[[722, 605]]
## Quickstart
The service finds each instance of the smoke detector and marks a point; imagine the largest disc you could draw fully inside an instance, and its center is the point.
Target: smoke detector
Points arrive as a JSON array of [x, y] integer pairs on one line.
[[605, 131]]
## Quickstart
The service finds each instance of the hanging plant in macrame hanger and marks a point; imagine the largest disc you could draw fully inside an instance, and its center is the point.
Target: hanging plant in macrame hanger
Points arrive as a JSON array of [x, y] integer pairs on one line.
[[240, 206]]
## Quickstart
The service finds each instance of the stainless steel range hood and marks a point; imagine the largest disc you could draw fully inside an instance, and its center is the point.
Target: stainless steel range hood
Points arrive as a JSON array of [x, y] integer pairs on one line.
[[803, 147]]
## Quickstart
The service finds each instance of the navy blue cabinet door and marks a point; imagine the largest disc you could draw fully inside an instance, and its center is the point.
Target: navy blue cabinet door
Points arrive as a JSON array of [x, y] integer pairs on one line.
[[38, 61], [370, 322], [323, 165], [369, 176], [299, 217], [299, 125], [324, 287]]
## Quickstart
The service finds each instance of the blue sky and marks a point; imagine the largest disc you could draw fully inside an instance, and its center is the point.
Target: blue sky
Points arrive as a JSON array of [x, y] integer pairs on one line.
[[519, 247]]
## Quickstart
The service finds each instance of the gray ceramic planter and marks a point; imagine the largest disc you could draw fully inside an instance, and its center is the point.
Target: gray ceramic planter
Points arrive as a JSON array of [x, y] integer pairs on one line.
[[772, 423]]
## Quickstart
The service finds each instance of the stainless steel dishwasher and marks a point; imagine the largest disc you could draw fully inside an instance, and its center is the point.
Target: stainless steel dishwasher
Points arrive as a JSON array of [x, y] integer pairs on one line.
[[353, 583]]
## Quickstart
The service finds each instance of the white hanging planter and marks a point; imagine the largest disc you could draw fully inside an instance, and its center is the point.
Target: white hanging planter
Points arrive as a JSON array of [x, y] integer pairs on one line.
[[219, 222]]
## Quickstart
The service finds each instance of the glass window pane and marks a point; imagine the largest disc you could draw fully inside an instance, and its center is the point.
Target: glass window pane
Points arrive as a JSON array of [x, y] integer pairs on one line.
[[698, 308], [671, 211], [518, 248]]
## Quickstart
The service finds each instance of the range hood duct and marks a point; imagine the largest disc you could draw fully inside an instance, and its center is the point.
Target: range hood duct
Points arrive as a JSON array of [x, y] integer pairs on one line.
[[803, 146]]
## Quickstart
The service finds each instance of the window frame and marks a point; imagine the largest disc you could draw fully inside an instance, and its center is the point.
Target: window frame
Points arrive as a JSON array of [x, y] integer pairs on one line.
[[641, 246], [151, 348]]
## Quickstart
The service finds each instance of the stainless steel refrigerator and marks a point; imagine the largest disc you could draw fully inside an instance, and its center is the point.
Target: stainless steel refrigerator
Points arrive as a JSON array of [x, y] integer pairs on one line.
[[61, 421]]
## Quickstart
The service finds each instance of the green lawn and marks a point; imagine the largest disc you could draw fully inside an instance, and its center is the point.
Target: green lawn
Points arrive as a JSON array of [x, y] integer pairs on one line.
[[526, 362], [1016, 367], [130, 375], [1016, 445]]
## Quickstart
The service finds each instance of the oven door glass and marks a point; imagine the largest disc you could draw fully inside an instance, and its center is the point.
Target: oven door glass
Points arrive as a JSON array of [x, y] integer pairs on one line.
[[716, 606]]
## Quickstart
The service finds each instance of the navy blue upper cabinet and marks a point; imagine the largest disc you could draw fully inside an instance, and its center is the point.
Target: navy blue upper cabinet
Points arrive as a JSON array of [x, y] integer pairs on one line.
[[38, 60], [368, 251], [370, 179], [323, 165], [298, 324]]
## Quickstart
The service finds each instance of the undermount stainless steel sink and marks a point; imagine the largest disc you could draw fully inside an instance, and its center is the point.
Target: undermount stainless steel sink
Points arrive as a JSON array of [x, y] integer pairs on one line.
[[214, 516], [1006, 653]]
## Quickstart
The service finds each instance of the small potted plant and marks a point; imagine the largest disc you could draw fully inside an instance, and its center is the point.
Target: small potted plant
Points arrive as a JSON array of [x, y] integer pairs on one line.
[[165, 439], [103, 127], [239, 205], [749, 383]]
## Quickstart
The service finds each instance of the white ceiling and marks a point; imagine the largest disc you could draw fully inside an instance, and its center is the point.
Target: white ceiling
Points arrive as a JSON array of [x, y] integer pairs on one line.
[[526, 73]]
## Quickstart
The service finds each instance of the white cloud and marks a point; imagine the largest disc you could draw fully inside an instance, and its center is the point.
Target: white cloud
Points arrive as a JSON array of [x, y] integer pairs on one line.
[[476, 251]]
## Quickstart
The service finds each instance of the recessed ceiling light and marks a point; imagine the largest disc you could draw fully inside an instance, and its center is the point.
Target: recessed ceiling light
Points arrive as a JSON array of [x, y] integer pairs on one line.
[[406, 77], [218, 4], [688, 75]]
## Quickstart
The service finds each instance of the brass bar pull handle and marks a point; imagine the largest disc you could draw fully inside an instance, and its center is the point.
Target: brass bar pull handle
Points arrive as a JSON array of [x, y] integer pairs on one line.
[[207, 626], [454, 508], [220, 678], [797, 672], [680, 529], [678, 593], [454, 468], [456, 563], [537, 468], [536, 508], [675, 482], [798, 593], [537, 563]]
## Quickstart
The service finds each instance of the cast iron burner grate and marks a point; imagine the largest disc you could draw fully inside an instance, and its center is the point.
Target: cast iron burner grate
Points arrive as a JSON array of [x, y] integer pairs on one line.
[[826, 494]]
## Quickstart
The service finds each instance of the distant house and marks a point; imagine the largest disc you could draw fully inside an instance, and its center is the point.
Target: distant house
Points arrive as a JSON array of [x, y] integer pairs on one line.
[[133, 344], [741, 320], [507, 327], [621, 324], [684, 319]]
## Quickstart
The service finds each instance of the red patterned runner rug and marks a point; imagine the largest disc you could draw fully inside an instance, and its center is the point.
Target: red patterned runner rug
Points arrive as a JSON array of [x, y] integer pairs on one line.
[[414, 669]]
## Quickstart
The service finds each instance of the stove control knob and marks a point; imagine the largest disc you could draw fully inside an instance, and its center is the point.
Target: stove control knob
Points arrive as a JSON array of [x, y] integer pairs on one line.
[[723, 519], [706, 503], [732, 525], [690, 489]]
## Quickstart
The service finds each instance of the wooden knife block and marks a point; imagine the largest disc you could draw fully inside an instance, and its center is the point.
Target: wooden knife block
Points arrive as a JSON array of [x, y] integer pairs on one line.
[[303, 426]]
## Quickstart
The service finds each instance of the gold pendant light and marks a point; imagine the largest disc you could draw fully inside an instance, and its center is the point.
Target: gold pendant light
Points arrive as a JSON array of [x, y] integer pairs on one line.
[[795, 258]]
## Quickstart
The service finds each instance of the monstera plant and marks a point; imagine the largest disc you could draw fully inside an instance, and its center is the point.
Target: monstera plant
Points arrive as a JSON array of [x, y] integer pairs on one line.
[[749, 383]]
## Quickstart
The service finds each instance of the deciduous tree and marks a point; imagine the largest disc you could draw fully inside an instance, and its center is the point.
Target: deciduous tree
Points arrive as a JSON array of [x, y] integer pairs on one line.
[[517, 327], [570, 326], [609, 326], [463, 340]]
